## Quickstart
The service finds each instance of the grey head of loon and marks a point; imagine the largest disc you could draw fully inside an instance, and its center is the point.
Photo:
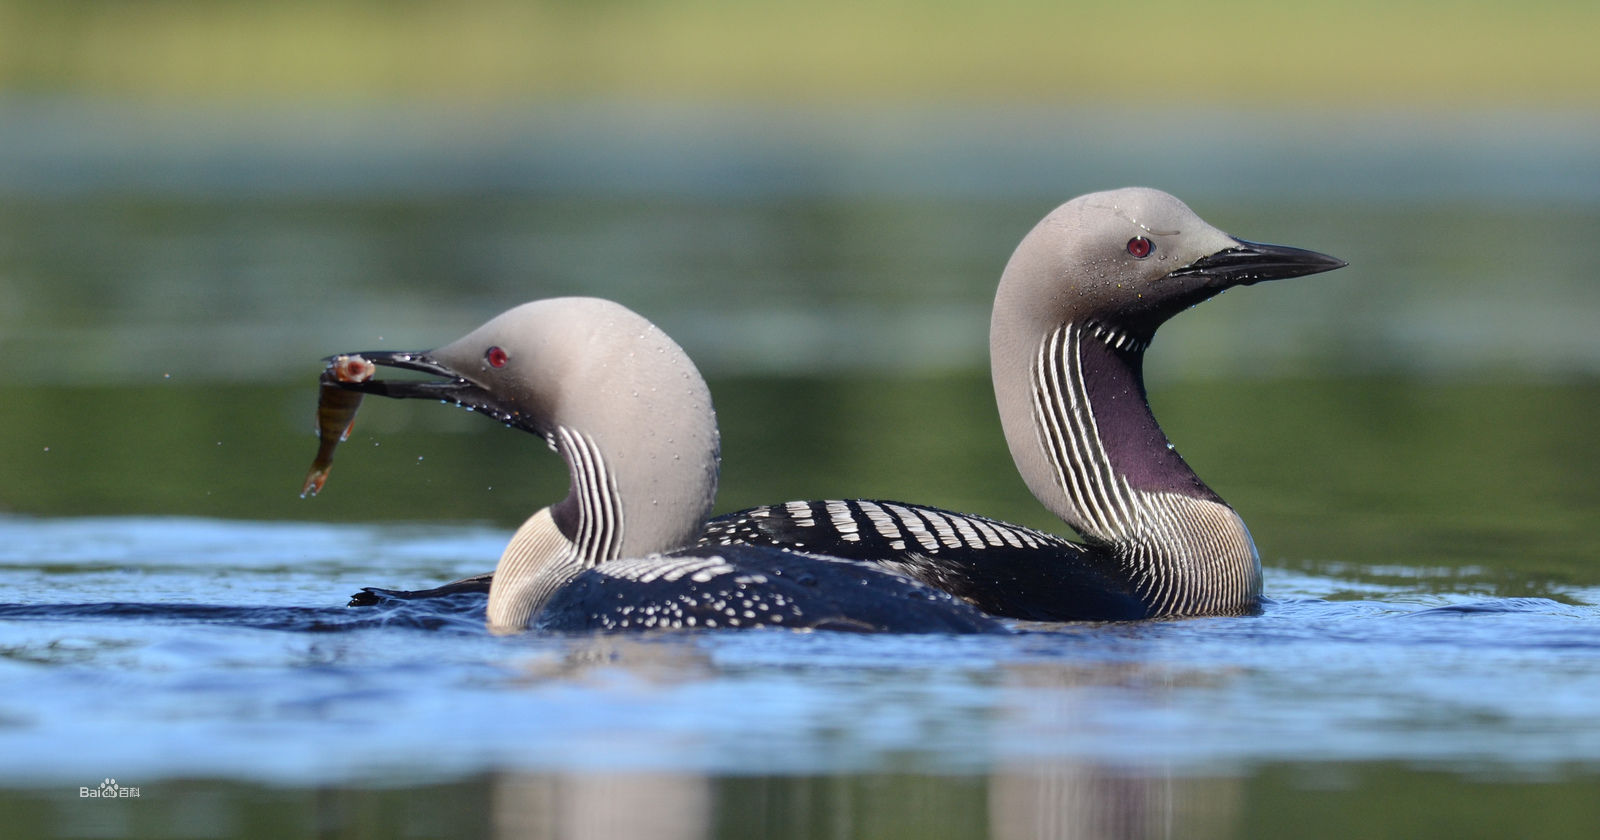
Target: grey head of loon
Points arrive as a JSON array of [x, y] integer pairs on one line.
[[1127, 260], [631, 416], [622, 404]]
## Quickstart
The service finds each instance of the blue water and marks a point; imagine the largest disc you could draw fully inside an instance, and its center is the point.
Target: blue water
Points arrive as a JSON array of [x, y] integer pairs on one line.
[[149, 649]]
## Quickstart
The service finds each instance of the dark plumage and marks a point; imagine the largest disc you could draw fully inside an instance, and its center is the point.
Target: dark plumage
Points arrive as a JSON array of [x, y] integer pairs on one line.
[[745, 587], [991, 564]]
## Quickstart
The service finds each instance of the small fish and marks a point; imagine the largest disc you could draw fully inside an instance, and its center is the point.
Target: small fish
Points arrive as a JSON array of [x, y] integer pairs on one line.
[[336, 414]]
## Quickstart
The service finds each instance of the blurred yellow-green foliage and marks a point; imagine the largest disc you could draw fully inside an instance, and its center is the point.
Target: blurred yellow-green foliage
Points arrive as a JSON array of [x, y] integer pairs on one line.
[[1388, 52]]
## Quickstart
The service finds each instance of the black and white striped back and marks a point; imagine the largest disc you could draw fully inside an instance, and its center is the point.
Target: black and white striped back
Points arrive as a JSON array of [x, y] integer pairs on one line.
[[1003, 569]]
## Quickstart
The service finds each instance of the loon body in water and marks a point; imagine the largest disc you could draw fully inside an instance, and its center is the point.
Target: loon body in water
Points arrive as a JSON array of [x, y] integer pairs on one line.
[[1077, 306], [631, 416]]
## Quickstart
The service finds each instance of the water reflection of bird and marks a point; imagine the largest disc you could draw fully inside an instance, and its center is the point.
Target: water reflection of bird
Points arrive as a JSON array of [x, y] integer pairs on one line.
[[631, 416], [1077, 306], [1076, 309]]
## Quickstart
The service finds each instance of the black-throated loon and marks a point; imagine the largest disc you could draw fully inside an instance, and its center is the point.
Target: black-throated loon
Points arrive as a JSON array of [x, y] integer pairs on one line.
[[631, 416], [1076, 308]]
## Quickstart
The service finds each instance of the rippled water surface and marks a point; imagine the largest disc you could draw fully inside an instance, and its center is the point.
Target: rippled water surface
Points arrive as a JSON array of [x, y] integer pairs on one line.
[[1411, 440], [163, 650]]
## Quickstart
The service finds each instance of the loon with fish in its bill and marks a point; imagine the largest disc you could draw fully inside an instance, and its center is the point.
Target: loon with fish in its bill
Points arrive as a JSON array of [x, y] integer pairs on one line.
[[631, 416]]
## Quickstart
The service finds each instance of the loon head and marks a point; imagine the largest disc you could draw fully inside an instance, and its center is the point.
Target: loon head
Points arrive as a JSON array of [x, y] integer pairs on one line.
[[1128, 260], [613, 394]]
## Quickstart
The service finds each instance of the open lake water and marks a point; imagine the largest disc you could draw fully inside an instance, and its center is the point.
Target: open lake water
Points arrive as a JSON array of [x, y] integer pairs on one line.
[[1411, 440]]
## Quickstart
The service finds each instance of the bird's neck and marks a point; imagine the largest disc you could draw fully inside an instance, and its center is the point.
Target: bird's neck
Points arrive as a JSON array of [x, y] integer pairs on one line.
[[539, 560], [1073, 404], [618, 506], [592, 516]]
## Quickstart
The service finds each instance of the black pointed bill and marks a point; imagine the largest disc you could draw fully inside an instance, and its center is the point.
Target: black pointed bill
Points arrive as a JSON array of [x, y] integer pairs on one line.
[[1253, 262], [447, 385]]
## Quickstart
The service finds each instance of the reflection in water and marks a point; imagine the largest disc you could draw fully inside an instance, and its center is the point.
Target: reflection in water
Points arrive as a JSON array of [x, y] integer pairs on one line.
[[658, 659], [1287, 800], [1020, 797], [601, 806], [1064, 799], [1046, 800], [1061, 798]]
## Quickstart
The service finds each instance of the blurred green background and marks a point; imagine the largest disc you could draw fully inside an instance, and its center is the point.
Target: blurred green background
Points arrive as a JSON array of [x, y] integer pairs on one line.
[[1241, 52]]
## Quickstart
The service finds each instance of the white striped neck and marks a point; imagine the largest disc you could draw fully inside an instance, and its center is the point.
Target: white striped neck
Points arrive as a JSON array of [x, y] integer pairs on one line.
[[591, 518], [1081, 430], [598, 522], [558, 542], [539, 560]]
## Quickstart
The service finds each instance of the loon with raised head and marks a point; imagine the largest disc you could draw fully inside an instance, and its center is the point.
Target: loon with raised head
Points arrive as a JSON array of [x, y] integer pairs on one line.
[[1076, 309], [626, 409]]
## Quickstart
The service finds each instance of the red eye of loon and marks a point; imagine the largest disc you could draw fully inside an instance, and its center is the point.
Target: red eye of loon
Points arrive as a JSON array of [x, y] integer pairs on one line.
[[1140, 247], [496, 357]]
